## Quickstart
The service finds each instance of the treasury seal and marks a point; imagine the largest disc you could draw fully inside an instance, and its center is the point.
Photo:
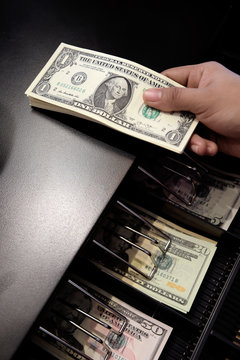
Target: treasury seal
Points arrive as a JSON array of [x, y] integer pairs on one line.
[[149, 112], [164, 262]]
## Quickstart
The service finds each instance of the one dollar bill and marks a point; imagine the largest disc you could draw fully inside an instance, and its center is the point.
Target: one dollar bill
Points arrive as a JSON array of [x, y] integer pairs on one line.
[[108, 90], [179, 273], [143, 337]]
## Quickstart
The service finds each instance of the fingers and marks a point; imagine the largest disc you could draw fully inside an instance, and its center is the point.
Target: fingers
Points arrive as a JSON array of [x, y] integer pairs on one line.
[[173, 99], [201, 146], [204, 147], [185, 75], [229, 146]]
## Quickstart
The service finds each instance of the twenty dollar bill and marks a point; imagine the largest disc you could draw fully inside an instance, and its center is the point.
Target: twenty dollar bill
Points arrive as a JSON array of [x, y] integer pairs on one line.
[[179, 274], [108, 89]]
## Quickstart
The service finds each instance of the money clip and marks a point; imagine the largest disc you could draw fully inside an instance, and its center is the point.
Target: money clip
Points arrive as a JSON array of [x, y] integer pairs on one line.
[[194, 169], [88, 333], [120, 316], [138, 247], [85, 331], [151, 226], [149, 277], [63, 342], [174, 193]]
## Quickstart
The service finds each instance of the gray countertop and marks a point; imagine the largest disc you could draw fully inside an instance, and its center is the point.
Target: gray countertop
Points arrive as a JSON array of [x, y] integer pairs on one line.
[[55, 182]]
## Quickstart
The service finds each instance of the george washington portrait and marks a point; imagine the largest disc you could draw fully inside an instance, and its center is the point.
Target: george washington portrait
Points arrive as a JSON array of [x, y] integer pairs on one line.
[[113, 95]]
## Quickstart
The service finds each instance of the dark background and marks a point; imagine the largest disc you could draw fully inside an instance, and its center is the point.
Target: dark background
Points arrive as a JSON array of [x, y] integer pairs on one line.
[[157, 34], [58, 172]]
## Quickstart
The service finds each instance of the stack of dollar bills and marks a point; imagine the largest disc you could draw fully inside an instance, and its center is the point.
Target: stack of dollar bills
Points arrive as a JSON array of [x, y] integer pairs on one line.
[[109, 90]]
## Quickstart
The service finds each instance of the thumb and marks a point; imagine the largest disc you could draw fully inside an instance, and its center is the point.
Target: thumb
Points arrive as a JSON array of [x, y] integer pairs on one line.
[[173, 98]]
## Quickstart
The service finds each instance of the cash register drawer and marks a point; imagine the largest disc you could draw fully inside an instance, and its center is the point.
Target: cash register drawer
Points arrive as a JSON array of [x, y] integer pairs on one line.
[[210, 330]]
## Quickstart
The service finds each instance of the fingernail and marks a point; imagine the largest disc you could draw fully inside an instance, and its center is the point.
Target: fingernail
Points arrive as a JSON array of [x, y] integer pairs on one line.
[[195, 148], [152, 94], [210, 150]]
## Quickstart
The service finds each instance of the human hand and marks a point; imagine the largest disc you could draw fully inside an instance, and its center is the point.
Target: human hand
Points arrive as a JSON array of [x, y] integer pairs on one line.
[[212, 93]]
